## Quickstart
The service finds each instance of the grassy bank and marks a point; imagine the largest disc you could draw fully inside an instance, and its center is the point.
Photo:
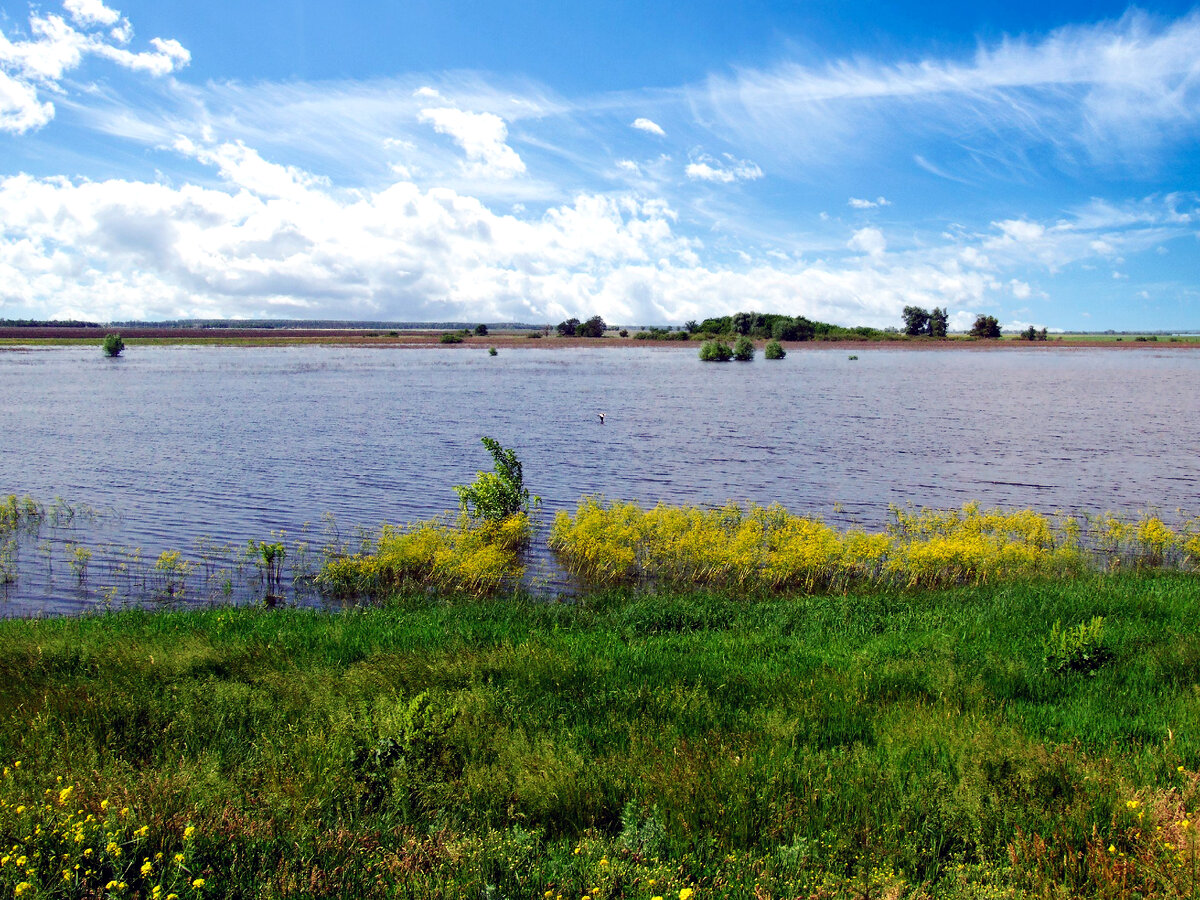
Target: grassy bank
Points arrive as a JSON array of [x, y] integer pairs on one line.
[[894, 743]]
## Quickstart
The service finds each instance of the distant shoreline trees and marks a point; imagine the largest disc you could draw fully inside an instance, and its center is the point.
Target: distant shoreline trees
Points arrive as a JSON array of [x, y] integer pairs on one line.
[[919, 321]]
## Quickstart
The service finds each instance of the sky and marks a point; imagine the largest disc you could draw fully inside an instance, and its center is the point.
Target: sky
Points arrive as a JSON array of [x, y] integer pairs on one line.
[[650, 162]]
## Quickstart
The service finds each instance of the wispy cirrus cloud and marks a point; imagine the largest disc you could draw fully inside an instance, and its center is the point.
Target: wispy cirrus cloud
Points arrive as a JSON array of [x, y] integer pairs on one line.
[[31, 68], [1111, 92]]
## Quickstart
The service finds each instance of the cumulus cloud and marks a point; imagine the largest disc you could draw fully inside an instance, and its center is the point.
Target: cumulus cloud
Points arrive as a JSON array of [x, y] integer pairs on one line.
[[90, 13], [649, 126], [56, 47], [869, 240], [707, 168], [859, 203], [482, 137]]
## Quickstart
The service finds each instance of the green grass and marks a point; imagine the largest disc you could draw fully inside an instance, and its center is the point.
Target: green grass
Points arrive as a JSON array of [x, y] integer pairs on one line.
[[899, 743]]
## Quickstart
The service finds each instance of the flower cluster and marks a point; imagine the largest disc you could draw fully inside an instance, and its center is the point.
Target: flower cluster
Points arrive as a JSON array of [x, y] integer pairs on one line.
[[59, 844]]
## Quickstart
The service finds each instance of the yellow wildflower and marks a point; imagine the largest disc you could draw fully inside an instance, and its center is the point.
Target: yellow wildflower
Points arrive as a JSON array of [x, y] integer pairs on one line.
[[188, 832], [685, 893], [198, 883], [22, 888]]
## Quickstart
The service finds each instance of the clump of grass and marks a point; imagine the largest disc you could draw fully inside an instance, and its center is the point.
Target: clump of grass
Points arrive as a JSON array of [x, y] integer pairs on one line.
[[463, 556]]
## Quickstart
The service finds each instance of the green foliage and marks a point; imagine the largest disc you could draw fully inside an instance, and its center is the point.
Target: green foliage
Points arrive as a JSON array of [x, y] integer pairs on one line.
[[113, 345], [497, 495], [568, 327], [1079, 649], [592, 328], [887, 744], [985, 327], [774, 350], [781, 328], [716, 351], [450, 337], [743, 350], [492, 351], [661, 334], [916, 320], [481, 330], [939, 322]]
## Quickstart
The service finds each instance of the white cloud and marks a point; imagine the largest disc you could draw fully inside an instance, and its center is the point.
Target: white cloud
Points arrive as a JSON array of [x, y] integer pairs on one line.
[[28, 67], [89, 13], [706, 168], [869, 241], [1020, 230], [1020, 289], [859, 203], [482, 138], [649, 126], [1115, 92]]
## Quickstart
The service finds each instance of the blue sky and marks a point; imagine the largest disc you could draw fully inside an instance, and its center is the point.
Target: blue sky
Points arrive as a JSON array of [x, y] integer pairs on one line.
[[650, 162]]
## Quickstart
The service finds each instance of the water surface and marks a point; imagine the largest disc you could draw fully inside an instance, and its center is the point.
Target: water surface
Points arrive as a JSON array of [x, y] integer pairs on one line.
[[179, 444]]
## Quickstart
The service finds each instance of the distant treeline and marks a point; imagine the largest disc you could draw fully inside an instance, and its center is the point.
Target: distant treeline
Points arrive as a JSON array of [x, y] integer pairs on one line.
[[781, 327], [331, 324], [35, 323]]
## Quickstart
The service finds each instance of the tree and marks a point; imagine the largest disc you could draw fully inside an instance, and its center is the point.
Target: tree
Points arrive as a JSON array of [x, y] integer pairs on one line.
[[916, 320], [742, 322], [567, 328], [113, 345], [743, 350], [1029, 334], [939, 321], [774, 350], [985, 327], [481, 330], [691, 325], [593, 328]]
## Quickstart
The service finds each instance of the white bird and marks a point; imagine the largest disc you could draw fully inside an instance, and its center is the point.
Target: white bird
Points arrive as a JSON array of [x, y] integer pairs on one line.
[[601, 415]]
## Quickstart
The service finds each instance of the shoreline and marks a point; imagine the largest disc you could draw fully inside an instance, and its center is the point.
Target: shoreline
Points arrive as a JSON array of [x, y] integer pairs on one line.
[[12, 337]]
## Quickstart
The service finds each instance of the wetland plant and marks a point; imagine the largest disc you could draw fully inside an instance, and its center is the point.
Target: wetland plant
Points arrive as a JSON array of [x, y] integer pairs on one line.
[[270, 555], [743, 350], [774, 350], [716, 351], [497, 495], [113, 345]]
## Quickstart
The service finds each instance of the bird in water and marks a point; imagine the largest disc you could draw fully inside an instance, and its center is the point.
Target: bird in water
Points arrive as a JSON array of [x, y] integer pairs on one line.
[[601, 415]]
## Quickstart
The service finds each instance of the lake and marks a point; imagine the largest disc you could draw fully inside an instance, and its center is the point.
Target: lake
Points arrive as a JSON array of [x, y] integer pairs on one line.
[[199, 448]]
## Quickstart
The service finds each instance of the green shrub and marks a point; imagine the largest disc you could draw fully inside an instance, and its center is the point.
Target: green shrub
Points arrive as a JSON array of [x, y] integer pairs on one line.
[[716, 351], [1078, 649], [497, 495], [774, 350], [491, 351], [450, 338], [113, 345], [743, 350]]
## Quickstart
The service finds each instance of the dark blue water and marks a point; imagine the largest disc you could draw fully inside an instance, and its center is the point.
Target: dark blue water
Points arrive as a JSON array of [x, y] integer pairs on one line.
[[177, 445]]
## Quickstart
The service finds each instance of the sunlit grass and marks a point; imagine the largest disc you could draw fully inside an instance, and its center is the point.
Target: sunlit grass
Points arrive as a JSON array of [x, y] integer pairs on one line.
[[640, 744]]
